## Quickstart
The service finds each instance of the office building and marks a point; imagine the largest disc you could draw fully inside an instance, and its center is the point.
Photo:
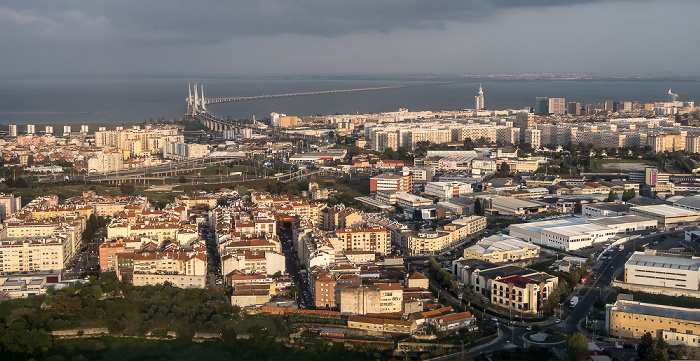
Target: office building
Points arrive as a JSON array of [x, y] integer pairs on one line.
[[391, 181], [447, 190], [557, 106], [666, 215], [652, 268], [542, 106], [574, 108], [675, 325]]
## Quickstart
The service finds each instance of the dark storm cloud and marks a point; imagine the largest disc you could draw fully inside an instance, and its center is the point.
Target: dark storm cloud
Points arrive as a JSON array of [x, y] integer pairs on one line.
[[214, 21]]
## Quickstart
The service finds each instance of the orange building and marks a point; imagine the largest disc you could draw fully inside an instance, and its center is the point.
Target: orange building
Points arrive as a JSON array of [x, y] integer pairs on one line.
[[324, 291]]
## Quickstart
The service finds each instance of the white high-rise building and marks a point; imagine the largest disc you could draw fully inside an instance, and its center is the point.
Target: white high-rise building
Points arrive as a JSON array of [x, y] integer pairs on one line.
[[13, 130], [557, 106], [31, 129], [275, 119], [66, 130], [49, 129], [479, 99], [84, 129]]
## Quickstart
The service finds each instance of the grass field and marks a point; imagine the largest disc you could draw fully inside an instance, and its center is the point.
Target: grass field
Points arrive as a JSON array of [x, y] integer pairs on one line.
[[620, 165]]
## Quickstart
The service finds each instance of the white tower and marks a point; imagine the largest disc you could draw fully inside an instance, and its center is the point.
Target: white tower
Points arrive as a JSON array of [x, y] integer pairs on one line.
[[479, 99], [30, 129], [189, 100], [201, 95], [196, 101], [13, 130], [49, 129], [66, 130]]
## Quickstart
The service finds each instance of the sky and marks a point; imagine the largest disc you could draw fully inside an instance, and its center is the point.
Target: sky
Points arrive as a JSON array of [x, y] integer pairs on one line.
[[69, 38]]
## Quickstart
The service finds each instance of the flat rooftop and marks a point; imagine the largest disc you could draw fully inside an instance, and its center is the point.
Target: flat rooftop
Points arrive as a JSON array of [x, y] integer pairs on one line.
[[511, 202], [611, 221], [664, 261], [665, 210], [538, 226], [649, 309], [577, 229], [609, 207]]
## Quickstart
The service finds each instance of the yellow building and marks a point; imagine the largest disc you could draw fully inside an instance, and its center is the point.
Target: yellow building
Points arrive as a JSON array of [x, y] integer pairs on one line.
[[375, 239], [288, 121], [502, 248], [675, 325]]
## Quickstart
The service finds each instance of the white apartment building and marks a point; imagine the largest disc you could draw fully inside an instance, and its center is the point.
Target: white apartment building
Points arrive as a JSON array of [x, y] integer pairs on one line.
[[176, 150], [104, 163], [37, 255], [447, 189], [252, 262]]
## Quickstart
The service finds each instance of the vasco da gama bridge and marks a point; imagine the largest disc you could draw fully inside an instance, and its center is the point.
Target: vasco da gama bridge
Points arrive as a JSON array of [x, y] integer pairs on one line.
[[197, 106]]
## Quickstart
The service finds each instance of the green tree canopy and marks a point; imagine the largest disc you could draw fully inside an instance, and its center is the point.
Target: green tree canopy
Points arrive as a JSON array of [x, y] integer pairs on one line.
[[127, 189], [612, 196], [628, 194], [652, 349], [576, 346]]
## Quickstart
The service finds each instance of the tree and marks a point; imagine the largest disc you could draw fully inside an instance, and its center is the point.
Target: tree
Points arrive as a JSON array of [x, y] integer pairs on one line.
[[576, 346], [127, 189], [628, 194], [688, 353], [477, 207], [63, 304], [20, 338], [504, 171], [651, 349], [182, 179], [612, 196], [20, 183], [30, 160]]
